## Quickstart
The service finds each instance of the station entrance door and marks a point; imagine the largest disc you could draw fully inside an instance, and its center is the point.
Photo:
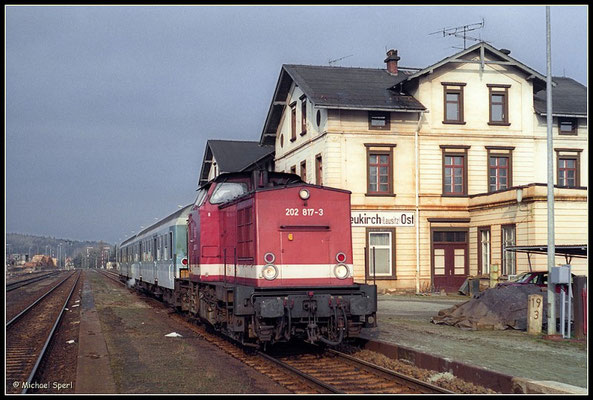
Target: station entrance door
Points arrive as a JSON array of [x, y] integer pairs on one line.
[[449, 259]]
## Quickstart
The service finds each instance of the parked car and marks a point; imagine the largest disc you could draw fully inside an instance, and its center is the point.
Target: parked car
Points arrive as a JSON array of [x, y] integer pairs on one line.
[[539, 278]]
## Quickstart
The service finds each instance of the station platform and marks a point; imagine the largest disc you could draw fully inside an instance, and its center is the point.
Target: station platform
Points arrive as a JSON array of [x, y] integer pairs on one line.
[[533, 363]]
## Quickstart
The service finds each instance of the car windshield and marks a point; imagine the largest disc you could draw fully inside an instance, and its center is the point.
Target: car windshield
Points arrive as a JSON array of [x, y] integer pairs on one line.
[[227, 191], [522, 278]]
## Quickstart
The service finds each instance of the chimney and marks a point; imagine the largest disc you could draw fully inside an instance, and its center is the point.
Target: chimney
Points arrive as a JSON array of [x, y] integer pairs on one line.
[[391, 61]]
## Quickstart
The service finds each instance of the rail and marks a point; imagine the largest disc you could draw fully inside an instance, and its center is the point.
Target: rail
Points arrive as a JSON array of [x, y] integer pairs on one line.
[[336, 372], [20, 353], [26, 310], [24, 282]]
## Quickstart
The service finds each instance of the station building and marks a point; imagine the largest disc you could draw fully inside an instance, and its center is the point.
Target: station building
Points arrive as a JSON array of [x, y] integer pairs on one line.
[[447, 165], [234, 156]]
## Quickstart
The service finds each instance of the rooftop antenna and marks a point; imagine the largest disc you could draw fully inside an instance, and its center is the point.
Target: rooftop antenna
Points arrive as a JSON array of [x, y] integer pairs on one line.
[[461, 32], [338, 59]]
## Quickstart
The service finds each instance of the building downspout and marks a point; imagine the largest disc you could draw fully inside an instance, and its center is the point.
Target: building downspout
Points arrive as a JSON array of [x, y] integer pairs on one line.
[[416, 173]]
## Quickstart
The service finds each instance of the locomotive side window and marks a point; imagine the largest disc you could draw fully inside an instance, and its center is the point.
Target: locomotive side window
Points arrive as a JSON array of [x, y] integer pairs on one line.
[[201, 197], [227, 191]]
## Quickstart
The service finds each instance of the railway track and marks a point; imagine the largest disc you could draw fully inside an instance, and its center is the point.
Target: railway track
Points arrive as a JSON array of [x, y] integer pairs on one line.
[[344, 374], [314, 371], [24, 282], [30, 332]]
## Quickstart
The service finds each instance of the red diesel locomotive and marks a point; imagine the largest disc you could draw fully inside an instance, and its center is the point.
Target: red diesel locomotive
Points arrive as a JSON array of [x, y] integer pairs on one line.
[[270, 259]]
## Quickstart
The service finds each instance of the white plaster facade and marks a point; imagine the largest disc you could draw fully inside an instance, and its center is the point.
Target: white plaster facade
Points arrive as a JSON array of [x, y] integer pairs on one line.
[[415, 139]]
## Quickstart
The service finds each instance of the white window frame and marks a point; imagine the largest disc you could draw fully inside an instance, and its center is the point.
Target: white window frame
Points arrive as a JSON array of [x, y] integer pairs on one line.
[[382, 247]]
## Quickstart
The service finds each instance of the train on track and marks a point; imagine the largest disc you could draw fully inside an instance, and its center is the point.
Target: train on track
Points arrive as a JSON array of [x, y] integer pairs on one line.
[[261, 256]]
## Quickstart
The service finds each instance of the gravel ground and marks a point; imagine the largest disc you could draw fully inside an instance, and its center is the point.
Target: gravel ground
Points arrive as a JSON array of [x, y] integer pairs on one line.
[[405, 320], [143, 360]]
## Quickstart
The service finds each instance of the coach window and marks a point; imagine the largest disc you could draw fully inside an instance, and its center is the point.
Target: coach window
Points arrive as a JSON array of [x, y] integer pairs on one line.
[[380, 248], [170, 245], [227, 191]]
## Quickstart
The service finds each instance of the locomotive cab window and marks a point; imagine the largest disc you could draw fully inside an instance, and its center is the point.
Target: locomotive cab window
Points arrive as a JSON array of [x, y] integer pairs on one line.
[[201, 197], [228, 191]]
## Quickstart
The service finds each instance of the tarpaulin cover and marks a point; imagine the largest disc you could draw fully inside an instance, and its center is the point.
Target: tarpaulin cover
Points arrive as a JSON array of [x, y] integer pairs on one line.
[[493, 309]]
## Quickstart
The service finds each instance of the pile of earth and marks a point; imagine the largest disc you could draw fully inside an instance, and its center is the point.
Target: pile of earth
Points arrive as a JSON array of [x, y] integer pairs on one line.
[[498, 308]]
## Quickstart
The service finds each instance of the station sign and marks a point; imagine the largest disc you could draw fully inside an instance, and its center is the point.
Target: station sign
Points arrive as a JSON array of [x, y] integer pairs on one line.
[[381, 218]]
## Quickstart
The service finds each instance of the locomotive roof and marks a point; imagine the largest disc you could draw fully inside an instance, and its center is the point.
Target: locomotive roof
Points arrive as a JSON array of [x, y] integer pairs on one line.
[[160, 223], [273, 181], [279, 176]]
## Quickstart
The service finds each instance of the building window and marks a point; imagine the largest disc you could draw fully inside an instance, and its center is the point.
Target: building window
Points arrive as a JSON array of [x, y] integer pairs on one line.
[[500, 167], [380, 253], [318, 170], [304, 170], [484, 251], [498, 173], [508, 257], [567, 126], [303, 116], [453, 103], [293, 122], [379, 120], [379, 181], [454, 174], [567, 171], [293, 169], [499, 104]]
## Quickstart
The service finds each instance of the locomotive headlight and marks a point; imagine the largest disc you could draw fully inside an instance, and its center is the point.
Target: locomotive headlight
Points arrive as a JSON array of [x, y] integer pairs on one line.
[[341, 271], [270, 272], [269, 258], [304, 194]]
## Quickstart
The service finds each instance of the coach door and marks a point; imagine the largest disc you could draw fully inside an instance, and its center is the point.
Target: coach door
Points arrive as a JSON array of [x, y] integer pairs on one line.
[[449, 259]]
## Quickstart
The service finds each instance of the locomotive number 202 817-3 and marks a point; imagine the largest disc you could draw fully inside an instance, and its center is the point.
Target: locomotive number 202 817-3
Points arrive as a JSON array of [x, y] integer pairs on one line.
[[305, 212]]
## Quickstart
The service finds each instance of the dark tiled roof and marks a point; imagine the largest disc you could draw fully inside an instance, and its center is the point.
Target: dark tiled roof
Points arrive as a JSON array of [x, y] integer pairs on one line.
[[365, 88], [568, 97], [235, 155]]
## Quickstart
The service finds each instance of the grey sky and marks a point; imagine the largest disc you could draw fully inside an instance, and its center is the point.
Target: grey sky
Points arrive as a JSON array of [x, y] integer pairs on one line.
[[108, 109]]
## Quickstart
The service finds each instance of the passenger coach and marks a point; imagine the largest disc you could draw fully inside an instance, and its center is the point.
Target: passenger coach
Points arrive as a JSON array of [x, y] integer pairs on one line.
[[155, 257]]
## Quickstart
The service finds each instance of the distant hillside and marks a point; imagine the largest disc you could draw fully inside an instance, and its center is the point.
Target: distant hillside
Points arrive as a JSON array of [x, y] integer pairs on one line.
[[17, 243]]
